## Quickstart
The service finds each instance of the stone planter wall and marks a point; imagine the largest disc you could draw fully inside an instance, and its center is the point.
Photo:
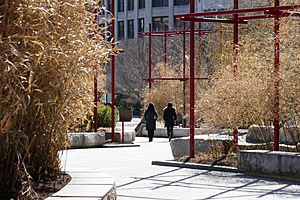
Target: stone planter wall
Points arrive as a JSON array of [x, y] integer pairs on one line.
[[270, 162]]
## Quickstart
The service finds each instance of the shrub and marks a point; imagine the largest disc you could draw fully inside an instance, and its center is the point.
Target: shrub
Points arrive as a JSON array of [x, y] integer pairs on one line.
[[104, 116], [49, 50]]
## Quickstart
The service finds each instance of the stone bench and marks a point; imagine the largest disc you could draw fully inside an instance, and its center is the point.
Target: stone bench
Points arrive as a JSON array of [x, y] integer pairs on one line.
[[86, 139], [129, 137], [270, 162], [181, 146], [162, 132]]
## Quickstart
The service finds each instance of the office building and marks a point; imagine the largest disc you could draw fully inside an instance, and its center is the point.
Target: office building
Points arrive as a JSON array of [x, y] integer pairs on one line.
[[133, 16]]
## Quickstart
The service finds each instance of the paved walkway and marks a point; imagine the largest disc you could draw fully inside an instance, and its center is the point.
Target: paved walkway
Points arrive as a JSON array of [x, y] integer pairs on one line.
[[136, 178]]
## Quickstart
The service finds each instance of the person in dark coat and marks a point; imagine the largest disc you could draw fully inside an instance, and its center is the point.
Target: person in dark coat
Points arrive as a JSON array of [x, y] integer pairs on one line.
[[150, 117], [169, 118]]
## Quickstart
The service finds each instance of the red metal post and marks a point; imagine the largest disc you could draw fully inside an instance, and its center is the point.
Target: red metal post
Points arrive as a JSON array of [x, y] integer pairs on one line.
[[123, 132], [235, 54], [113, 75], [165, 45], [276, 80], [150, 57], [184, 69], [95, 102], [95, 90], [192, 82]]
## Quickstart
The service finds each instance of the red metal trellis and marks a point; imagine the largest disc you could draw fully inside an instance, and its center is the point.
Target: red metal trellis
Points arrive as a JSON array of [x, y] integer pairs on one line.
[[165, 34], [275, 12], [113, 75]]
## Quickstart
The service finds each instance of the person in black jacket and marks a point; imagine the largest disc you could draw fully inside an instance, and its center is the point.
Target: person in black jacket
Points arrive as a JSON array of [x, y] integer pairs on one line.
[[150, 117], [169, 117]]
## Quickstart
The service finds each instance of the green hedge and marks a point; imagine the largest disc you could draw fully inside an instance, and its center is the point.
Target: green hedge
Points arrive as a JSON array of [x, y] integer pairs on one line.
[[104, 115]]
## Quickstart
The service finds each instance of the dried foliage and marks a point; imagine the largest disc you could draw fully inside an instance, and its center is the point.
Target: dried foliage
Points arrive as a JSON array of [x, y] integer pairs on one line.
[[247, 97], [49, 51], [164, 91]]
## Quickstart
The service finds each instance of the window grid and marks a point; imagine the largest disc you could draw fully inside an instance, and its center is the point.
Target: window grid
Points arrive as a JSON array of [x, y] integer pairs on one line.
[[130, 4], [160, 3], [130, 29]]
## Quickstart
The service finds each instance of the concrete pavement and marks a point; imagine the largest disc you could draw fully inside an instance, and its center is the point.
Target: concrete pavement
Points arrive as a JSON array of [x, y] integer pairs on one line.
[[136, 178]]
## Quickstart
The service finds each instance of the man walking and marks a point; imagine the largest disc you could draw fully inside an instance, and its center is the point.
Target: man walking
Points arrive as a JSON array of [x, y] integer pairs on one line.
[[169, 118]]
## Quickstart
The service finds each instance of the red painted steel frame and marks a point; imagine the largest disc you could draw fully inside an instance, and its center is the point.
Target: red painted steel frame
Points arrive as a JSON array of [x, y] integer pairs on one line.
[[276, 81], [192, 82], [166, 34], [184, 69], [234, 57], [165, 45], [275, 12], [95, 89], [113, 75], [95, 103], [123, 132], [191, 17], [150, 56]]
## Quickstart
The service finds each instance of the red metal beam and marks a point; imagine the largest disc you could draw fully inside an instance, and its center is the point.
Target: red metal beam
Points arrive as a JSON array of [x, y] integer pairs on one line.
[[150, 55], [276, 80], [95, 89], [192, 82], [266, 16], [184, 69], [165, 45], [176, 79], [95, 102], [237, 11], [113, 75], [176, 32], [235, 56], [215, 20]]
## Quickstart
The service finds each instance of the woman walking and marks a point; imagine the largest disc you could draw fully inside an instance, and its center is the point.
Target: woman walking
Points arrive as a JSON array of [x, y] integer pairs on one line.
[[150, 117], [170, 117]]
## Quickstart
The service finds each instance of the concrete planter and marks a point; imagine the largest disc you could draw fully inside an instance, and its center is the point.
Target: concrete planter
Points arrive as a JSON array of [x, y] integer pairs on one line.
[[84, 139], [270, 162]]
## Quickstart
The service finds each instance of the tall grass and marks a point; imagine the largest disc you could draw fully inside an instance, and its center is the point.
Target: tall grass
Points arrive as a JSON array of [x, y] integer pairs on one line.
[[49, 53]]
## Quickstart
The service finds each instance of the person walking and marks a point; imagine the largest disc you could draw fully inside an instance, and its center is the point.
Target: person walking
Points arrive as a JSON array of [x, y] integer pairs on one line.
[[169, 118], [150, 117]]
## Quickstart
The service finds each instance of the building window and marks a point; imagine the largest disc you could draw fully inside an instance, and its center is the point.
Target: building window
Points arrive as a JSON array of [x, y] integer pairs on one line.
[[159, 22], [120, 30], [108, 7], [181, 2], [130, 29], [141, 4], [178, 24], [130, 4], [121, 6], [141, 25], [160, 3]]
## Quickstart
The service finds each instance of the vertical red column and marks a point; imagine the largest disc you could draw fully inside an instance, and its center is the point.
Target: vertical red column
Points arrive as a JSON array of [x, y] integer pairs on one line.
[[235, 54], [276, 80], [184, 69], [113, 74], [150, 56], [95, 103], [192, 82], [165, 45], [95, 89], [123, 132]]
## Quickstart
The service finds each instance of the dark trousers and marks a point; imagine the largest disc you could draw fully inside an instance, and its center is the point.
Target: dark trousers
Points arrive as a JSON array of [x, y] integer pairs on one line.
[[150, 135], [170, 131]]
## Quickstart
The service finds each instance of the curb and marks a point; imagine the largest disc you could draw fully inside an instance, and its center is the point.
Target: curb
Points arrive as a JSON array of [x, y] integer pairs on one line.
[[119, 145], [101, 187], [197, 166]]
